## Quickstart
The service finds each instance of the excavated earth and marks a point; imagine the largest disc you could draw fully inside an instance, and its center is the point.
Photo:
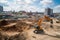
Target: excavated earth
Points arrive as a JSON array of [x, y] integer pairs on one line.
[[23, 30]]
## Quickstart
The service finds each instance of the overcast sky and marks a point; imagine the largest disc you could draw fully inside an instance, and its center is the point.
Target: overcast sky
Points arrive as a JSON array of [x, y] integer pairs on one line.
[[30, 5]]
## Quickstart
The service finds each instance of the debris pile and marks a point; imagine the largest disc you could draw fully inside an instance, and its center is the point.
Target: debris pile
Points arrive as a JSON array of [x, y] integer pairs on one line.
[[20, 26], [19, 36], [3, 23]]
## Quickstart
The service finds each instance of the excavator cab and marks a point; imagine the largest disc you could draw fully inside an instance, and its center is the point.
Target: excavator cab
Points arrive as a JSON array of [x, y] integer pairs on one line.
[[38, 30]]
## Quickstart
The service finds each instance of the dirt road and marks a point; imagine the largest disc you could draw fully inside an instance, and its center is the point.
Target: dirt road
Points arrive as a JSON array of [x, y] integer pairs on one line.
[[33, 36]]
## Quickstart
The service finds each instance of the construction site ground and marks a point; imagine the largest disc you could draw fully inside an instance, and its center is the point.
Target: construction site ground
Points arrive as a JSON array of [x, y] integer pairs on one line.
[[24, 30]]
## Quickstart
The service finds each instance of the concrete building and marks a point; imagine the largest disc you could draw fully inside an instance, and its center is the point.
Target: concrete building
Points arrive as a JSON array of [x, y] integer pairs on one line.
[[49, 12], [1, 8]]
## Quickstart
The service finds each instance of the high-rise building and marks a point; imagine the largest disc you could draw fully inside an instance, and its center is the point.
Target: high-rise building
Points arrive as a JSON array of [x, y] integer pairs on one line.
[[1, 8], [49, 12]]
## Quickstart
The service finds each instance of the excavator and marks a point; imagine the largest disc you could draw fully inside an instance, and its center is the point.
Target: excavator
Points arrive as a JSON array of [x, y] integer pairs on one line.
[[39, 28]]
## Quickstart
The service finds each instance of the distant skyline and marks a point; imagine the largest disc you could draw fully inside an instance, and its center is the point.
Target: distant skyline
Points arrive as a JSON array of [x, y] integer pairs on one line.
[[30, 5]]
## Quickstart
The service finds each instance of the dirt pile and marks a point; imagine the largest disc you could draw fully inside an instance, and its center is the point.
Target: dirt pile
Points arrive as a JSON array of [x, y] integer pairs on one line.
[[6, 22], [20, 26], [20, 36], [3, 23]]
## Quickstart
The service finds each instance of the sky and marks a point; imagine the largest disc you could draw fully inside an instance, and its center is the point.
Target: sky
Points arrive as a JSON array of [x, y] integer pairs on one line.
[[30, 5]]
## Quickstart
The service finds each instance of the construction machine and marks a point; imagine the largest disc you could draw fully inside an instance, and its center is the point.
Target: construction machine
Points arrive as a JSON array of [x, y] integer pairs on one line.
[[38, 27]]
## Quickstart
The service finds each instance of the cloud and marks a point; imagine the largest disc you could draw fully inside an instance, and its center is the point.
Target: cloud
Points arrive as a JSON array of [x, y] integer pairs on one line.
[[46, 3], [21, 5], [26, 5], [30, 8], [7, 9], [58, 6], [57, 9], [29, 1], [3, 1]]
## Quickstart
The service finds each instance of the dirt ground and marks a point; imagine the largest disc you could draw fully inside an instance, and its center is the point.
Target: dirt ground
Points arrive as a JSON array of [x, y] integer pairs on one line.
[[33, 36], [23, 30]]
